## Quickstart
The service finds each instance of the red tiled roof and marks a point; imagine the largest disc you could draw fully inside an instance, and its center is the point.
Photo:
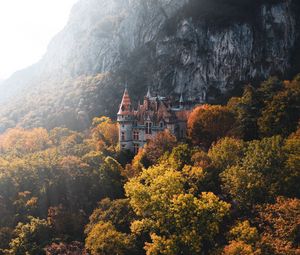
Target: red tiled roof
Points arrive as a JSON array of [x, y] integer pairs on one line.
[[125, 106]]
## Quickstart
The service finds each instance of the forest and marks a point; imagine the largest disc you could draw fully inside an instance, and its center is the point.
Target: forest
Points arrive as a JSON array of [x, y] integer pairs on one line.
[[232, 187]]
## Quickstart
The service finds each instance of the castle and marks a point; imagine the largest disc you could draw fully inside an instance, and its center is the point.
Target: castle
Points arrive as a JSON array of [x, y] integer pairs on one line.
[[156, 114]]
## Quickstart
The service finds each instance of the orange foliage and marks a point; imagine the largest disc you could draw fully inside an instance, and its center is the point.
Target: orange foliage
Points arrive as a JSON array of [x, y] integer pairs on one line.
[[24, 141], [105, 133], [208, 123], [240, 248], [161, 143], [280, 224]]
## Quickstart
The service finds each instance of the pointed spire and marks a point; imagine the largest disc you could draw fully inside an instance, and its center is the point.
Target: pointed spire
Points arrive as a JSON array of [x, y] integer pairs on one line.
[[148, 93], [181, 101], [125, 106]]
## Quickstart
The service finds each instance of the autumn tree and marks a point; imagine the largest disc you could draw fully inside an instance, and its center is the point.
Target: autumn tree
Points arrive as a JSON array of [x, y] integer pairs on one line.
[[104, 239], [243, 240], [208, 123], [292, 164], [118, 212], [67, 141], [243, 232], [246, 110], [260, 175], [72, 248], [279, 224], [105, 134], [281, 114], [6, 234], [31, 238], [180, 156], [177, 221], [66, 224], [240, 248], [21, 141], [156, 147], [139, 162], [226, 152]]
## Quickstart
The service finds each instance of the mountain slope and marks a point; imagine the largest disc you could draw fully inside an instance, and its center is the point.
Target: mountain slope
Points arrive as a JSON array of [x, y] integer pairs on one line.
[[201, 48]]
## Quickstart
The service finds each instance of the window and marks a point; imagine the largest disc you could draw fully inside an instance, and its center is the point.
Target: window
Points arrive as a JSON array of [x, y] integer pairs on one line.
[[122, 136], [136, 148], [148, 128], [123, 146], [161, 124], [136, 135]]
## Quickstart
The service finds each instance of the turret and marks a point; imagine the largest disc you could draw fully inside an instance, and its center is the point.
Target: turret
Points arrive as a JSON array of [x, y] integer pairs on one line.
[[125, 110], [125, 120], [181, 102], [147, 99], [148, 93]]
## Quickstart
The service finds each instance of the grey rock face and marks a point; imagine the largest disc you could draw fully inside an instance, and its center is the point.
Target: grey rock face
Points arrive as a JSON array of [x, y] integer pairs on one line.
[[222, 57], [103, 34], [128, 40]]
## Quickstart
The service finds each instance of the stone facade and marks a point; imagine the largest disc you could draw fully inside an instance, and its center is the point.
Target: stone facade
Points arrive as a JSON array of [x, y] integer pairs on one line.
[[156, 114]]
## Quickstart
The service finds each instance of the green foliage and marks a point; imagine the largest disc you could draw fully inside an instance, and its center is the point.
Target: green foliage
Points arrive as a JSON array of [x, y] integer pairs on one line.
[[226, 152], [272, 109], [177, 221], [179, 157], [281, 113], [118, 212], [292, 164], [243, 232], [31, 237], [55, 103], [246, 110], [6, 235], [110, 178], [57, 174], [261, 175]]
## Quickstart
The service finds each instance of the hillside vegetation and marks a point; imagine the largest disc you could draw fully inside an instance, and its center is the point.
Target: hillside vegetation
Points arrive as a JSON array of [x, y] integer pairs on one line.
[[231, 188]]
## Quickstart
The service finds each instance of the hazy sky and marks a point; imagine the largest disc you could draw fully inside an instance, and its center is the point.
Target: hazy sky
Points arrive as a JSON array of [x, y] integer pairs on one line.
[[26, 27]]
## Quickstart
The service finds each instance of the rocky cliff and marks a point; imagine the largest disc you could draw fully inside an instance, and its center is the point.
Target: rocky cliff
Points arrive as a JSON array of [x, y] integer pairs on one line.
[[204, 49]]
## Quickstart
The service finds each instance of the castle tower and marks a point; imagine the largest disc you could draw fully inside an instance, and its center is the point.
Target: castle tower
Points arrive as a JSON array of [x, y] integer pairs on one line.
[[181, 102], [125, 120], [147, 99]]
